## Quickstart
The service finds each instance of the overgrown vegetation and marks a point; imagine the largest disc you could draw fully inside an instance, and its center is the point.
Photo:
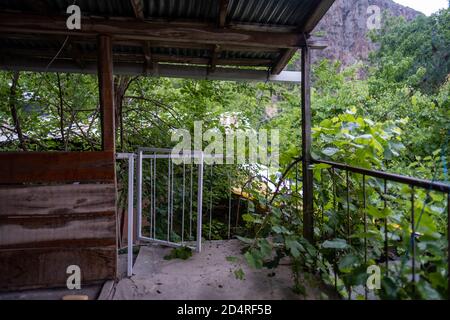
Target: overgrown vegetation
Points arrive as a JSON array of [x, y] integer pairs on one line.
[[395, 119]]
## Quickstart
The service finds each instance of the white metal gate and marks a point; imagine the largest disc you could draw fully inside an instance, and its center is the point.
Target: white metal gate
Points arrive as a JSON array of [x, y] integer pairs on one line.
[[145, 168]]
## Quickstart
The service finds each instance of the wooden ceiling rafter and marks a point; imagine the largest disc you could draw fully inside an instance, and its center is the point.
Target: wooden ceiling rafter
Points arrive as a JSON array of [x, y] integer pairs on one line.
[[132, 29], [148, 59], [138, 8], [215, 36]]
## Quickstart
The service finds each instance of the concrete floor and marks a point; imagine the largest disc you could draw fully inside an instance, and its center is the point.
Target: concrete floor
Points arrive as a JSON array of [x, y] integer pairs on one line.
[[208, 276]]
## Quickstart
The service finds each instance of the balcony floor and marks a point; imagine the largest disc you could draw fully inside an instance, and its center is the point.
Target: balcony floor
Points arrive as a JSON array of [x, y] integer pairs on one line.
[[209, 276]]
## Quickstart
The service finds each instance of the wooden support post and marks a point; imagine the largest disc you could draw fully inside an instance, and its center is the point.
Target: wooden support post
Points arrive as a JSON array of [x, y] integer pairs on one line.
[[215, 53], [223, 11], [148, 60], [308, 198], [106, 87], [107, 110]]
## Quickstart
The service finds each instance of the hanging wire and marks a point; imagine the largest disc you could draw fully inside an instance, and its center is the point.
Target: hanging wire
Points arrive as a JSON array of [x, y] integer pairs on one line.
[[47, 67]]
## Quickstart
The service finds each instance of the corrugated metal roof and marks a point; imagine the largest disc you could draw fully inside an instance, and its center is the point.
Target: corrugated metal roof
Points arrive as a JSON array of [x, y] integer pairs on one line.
[[266, 14], [270, 12]]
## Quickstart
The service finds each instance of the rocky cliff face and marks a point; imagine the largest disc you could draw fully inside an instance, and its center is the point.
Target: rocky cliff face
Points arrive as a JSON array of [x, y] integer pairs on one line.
[[345, 28]]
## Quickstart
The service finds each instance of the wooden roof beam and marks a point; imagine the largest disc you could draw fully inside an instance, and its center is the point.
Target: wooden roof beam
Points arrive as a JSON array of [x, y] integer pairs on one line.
[[223, 11], [149, 61], [184, 45], [40, 6], [316, 15], [163, 70], [131, 29], [138, 8], [287, 54]]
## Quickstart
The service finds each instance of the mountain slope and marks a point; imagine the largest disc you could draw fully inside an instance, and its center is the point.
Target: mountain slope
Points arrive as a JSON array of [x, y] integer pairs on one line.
[[345, 28]]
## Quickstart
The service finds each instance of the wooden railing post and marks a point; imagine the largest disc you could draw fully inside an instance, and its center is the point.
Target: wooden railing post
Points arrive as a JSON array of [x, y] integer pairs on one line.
[[106, 88], [308, 198], [107, 110]]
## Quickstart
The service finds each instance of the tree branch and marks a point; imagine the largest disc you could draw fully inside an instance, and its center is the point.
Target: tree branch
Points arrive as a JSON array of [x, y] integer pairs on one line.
[[13, 108]]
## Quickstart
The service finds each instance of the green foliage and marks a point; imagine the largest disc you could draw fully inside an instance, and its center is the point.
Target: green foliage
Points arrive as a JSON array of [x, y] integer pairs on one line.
[[414, 53], [182, 253], [239, 274]]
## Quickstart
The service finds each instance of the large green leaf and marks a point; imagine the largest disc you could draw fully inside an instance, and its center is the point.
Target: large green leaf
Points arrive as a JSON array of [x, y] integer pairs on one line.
[[338, 244]]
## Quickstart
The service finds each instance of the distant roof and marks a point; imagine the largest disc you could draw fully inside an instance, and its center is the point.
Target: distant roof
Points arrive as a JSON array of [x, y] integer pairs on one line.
[[205, 36]]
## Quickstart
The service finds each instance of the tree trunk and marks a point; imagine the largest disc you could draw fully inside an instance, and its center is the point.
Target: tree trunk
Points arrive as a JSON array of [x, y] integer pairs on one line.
[[13, 108], [121, 85], [61, 112]]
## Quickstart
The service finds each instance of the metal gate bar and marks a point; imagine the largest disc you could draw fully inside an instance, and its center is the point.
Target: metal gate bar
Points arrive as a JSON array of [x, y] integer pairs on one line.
[[153, 155], [135, 180], [130, 202]]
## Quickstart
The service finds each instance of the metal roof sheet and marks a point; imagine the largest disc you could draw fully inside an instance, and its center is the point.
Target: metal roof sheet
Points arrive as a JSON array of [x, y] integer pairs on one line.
[[268, 15]]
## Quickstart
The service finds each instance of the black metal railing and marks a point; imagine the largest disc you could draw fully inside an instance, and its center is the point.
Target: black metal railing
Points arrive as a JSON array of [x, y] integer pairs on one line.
[[342, 196]]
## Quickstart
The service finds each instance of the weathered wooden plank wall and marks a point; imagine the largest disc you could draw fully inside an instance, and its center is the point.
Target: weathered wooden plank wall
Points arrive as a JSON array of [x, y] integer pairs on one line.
[[56, 167], [56, 210], [59, 209]]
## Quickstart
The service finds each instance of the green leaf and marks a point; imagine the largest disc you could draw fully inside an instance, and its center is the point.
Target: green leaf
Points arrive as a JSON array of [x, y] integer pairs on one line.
[[280, 230], [338, 244], [347, 263], [294, 247], [245, 240], [239, 274], [182, 253], [248, 218], [364, 137], [427, 291], [320, 166], [389, 287], [378, 213], [232, 259], [330, 151], [266, 248], [254, 259]]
